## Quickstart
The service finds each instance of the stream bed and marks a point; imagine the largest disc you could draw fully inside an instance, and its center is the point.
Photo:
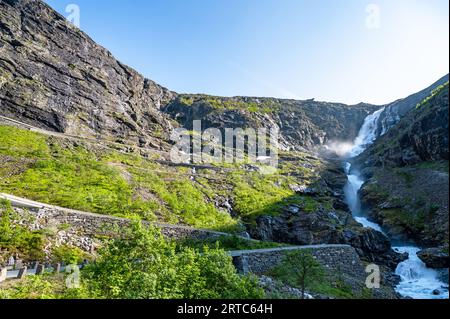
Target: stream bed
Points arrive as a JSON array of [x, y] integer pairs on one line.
[[417, 281]]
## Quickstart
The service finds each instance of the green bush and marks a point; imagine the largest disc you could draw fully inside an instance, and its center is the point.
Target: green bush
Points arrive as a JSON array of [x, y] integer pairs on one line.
[[17, 239], [69, 255], [33, 287], [46, 286], [143, 265], [434, 93]]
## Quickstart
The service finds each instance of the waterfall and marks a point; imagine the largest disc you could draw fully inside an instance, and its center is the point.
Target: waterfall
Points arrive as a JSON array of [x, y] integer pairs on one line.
[[417, 281], [367, 134]]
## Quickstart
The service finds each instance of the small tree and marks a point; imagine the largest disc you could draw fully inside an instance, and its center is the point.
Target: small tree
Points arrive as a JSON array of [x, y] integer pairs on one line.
[[300, 268]]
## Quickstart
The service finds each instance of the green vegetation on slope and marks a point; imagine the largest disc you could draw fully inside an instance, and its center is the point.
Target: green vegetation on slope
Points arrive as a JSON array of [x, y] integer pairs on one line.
[[17, 239], [434, 93], [411, 200], [99, 180], [228, 104], [28, 245], [143, 265], [106, 182], [259, 194]]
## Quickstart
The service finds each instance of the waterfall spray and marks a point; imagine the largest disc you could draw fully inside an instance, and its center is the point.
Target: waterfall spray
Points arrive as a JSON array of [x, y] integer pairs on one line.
[[417, 281]]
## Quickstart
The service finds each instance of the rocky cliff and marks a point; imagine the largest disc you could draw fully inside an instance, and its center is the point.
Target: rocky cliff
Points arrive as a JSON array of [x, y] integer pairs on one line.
[[408, 188], [54, 76], [303, 124], [421, 135], [396, 110]]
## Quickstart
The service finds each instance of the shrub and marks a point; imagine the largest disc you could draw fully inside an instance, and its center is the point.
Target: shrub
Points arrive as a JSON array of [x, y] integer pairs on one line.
[[143, 265], [17, 239], [69, 255], [299, 269]]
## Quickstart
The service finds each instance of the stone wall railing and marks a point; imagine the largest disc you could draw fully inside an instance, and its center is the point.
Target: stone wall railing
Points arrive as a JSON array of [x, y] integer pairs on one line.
[[336, 259], [94, 224], [80, 228]]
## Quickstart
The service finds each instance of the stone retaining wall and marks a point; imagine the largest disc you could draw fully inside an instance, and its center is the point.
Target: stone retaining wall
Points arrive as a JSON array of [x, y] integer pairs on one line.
[[336, 259], [81, 229], [91, 224]]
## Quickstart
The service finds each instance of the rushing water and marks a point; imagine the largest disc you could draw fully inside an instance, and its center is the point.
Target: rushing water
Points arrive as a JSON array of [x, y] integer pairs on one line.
[[417, 281]]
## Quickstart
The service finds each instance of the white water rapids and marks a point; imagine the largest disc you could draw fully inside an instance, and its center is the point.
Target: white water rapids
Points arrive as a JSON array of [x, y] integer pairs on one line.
[[417, 281]]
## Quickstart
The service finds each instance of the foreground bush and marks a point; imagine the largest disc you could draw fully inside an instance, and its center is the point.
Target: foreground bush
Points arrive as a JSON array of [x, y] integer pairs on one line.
[[143, 265]]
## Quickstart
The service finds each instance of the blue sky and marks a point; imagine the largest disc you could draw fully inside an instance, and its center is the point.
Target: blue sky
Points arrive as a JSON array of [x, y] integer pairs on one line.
[[331, 50]]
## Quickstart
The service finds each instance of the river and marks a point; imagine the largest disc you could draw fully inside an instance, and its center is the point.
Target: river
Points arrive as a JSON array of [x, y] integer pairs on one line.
[[417, 281]]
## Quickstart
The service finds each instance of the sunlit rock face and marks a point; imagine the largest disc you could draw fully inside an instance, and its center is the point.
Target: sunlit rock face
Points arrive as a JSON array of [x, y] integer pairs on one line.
[[304, 125], [395, 111], [54, 76]]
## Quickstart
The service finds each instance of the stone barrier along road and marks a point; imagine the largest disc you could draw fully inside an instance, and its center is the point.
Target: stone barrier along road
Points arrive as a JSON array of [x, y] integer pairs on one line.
[[334, 258], [236, 253], [337, 258], [91, 223], [14, 273]]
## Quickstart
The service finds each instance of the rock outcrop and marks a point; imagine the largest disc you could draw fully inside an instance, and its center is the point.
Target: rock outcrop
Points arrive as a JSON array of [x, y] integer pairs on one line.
[[303, 124], [395, 111], [435, 257], [407, 169], [420, 136], [52, 75], [327, 227]]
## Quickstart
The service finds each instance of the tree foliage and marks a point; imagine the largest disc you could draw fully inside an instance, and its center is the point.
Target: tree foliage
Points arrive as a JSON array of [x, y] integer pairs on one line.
[[143, 265], [300, 269]]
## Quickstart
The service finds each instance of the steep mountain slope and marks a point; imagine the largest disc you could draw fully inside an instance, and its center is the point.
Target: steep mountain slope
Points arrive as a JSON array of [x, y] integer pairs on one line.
[[398, 109], [54, 76], [303, 124], [408, 168]]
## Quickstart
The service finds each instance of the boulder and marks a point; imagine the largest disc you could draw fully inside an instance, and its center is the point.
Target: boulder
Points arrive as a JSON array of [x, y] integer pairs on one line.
[[434, 257], [303, 190]]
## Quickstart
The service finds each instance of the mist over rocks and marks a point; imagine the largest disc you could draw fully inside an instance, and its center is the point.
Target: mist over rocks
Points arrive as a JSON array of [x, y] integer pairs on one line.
[[304, 125], [407, 169]]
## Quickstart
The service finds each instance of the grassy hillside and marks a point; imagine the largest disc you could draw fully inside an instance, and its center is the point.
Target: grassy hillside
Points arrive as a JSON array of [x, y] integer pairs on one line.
[[98, 179]]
